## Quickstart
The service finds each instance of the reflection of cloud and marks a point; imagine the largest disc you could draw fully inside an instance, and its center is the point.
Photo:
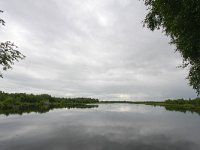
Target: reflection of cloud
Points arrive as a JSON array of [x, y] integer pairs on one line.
[[77, 137], [17, 133], [132, 108], [126, 127]]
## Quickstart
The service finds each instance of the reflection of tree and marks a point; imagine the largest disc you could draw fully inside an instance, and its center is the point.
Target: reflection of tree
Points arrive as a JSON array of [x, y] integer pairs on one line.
[[19, 103], [181, 105], [40, 108], [182, 109]]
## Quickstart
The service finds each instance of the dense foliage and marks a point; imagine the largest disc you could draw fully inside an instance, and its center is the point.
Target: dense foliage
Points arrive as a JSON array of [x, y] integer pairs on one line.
[[8, 53], [179, 19], [10, 100]]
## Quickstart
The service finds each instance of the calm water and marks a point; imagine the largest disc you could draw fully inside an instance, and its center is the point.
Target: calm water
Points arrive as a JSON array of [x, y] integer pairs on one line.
[[108, 127]]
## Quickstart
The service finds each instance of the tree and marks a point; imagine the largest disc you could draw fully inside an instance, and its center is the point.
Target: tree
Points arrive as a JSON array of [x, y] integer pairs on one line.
[[8, 52], [1, 20], [179, 19]]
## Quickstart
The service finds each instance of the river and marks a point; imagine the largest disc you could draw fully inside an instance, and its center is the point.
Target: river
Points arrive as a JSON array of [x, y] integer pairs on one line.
[[106, 127]]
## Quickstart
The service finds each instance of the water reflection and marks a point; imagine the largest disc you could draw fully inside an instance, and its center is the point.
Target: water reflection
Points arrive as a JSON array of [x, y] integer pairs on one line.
[[116, 108], [179, 109], [183, 110], [39, 109], [108, 127]]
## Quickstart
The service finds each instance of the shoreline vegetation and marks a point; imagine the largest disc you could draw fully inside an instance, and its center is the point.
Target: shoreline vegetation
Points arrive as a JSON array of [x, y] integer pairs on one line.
[[19, 103], [188, 104], [181, 105]]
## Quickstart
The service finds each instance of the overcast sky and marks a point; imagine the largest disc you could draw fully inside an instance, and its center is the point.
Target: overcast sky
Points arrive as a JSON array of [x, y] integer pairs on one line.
[[90, 48]]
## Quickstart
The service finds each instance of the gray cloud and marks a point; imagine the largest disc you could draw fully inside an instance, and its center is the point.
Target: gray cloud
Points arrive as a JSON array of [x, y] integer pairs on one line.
[[94, 48]]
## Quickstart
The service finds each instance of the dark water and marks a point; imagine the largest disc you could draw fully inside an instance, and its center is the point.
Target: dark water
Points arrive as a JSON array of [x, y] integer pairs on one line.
[[108, 127]]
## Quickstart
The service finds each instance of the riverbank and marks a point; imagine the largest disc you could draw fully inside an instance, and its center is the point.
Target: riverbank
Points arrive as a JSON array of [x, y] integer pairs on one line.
[[15, 100], [189, 104], [181, 105]]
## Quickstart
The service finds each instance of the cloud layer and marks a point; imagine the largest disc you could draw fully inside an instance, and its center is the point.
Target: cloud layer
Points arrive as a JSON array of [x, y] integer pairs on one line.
[[93, 48]]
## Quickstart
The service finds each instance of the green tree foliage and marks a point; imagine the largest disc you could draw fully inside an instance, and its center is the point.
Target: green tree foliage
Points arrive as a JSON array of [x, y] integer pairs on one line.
[[22, 99], [1, 20], [195, 102], [179, 19], [19, 103], [8, 53]]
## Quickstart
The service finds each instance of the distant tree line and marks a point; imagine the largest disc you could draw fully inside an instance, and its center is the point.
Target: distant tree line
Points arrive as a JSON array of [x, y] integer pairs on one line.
[[23, 99], [177, 102], [195, 102]]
